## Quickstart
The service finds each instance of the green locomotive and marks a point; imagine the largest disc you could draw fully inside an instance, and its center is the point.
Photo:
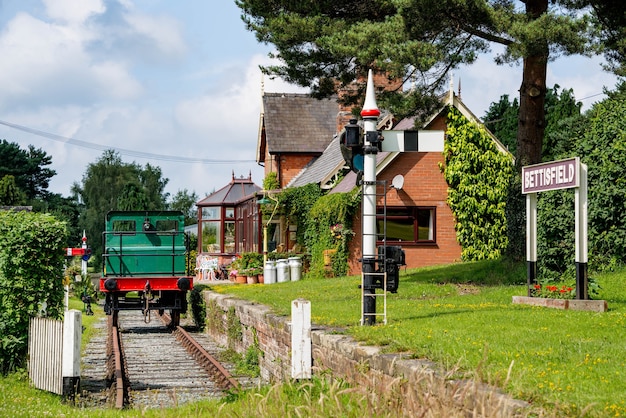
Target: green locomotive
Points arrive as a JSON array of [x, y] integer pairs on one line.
[[145, 263]]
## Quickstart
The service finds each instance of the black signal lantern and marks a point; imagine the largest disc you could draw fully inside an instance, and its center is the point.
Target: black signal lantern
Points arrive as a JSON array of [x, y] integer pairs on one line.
[[353, 135], [351, 145]]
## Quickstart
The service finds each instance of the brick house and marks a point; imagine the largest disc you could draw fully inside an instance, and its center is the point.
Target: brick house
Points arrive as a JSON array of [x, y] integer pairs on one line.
[[422, 222]]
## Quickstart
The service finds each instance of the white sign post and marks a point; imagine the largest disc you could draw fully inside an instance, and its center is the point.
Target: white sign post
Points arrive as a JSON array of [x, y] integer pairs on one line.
[[556, 175]]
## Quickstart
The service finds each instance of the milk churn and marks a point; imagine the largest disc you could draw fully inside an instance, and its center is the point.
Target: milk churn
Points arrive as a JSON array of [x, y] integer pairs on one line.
[[295, 268], [269, 272], [282, 271]]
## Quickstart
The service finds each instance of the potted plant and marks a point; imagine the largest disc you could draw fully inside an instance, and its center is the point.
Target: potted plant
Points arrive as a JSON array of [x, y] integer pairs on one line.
[[250, 265]]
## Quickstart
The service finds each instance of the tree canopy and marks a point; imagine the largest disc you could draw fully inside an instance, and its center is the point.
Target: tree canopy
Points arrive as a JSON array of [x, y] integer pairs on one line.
[[28, 168], [110, 184], [327, 45]]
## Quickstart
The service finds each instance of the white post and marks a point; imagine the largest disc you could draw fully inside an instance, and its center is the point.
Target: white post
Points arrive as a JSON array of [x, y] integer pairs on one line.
[[531, 240], [370, 114], [580, 201], [301, 357], [83, 262], [72, 329]]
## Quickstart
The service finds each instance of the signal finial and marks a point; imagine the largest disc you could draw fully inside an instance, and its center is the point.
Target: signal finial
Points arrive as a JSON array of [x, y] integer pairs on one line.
[[370, 108]]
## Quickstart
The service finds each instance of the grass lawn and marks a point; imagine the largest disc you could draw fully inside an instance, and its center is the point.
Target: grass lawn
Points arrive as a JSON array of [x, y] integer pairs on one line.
[[570, 362]]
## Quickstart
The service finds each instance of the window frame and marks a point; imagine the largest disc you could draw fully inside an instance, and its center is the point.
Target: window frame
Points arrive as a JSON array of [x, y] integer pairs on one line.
[[410, 214]]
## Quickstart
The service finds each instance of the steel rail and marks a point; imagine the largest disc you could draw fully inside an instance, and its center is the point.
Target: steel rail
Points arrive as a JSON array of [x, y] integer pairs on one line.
[[213, 367], [119, 364]]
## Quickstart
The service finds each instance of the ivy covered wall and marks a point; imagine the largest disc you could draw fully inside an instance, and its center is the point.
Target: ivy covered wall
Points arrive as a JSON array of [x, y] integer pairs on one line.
[[478, 175]]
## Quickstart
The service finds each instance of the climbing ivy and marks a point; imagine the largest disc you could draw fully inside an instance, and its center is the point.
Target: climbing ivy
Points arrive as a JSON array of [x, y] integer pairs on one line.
[[270, 182], [478, 175], [332, 210], [296, 202]]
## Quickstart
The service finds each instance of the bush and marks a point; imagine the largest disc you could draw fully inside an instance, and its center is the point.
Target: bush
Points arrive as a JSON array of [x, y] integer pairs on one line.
[[602, 146], [31, 278], [198, 306]]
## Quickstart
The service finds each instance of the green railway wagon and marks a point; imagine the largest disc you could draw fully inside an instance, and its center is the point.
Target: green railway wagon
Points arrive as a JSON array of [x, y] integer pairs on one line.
[[145, 262]]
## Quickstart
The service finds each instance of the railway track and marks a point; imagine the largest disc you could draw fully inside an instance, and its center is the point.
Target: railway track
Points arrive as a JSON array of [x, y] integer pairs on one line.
[[159, 367]]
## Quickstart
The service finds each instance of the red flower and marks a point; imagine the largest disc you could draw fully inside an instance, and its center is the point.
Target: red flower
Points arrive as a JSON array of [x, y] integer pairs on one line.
[[537, 286]]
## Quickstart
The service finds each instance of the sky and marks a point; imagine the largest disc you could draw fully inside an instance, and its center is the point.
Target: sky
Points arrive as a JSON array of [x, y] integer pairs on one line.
[[173, 84]]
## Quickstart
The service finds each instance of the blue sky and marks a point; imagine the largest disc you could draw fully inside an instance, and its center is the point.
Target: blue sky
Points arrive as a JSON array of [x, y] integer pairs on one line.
[[178, 79]]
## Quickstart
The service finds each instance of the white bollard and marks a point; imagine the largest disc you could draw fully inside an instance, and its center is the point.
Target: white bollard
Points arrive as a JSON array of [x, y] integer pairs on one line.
[[301, 339]]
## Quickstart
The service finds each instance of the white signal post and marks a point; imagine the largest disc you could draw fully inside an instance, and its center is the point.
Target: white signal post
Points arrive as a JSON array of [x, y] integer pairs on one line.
[[370, 114], [83, 263]]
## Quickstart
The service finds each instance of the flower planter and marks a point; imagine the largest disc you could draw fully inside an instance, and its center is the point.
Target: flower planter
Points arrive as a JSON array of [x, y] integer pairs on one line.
[[571, 304], [252, 279], [241, 279]]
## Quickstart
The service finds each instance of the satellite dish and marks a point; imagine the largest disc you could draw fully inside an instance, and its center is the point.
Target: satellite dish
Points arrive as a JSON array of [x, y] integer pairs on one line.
[[398, 182]]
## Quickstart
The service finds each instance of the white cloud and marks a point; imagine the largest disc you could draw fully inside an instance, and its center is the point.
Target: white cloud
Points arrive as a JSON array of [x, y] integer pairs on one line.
[[163, 32], [72, 11]]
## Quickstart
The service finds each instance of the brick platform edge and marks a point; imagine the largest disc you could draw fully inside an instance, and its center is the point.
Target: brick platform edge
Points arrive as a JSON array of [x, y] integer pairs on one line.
[[574, 304], [358, 364]]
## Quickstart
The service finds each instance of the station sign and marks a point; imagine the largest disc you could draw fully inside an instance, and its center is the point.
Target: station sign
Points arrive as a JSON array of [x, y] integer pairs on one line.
[[554, 175]]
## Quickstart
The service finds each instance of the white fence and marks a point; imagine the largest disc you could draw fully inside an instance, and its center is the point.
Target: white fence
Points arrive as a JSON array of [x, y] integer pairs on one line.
[[45, 354]]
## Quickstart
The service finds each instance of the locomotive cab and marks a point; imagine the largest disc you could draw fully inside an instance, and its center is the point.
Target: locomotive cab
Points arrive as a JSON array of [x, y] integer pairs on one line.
[[145, 262]]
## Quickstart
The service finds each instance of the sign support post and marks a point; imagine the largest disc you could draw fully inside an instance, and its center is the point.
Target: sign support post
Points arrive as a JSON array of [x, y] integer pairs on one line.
[[580, 199], [556, 175]]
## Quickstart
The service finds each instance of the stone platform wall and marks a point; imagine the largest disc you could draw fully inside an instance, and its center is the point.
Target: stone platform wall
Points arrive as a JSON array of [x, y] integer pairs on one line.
[[240, 324]]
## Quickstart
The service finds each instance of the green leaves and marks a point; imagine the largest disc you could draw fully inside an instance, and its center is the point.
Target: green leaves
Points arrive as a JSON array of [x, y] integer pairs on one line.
[[31, 267], [478, 175]]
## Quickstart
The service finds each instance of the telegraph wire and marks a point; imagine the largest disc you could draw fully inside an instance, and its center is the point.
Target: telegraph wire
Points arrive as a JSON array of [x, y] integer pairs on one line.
[[132, 153]]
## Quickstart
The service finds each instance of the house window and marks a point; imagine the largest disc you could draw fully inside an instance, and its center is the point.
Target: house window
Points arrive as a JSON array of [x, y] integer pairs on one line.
[[408, 225]]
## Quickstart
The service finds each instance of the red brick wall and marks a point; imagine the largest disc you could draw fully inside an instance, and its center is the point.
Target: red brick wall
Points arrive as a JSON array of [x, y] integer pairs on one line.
[[287, 166], [424, 185], [291, 165]]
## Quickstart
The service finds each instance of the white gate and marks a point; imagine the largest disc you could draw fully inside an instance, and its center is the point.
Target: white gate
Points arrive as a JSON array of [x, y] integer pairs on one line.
[[45, 354]]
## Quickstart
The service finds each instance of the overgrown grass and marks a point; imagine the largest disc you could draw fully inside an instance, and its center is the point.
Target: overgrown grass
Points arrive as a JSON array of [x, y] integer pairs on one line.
[[322, 396], [566, 363], [570, 362]]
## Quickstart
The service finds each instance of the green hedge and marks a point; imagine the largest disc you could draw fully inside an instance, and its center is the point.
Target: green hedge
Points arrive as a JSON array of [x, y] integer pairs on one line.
[[31, 278]]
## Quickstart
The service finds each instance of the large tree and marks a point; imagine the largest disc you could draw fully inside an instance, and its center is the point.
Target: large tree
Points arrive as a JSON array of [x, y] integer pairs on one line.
[[327, 45], [28, 168], [611, 15], [111, 184], [185, 202], [562, 111]]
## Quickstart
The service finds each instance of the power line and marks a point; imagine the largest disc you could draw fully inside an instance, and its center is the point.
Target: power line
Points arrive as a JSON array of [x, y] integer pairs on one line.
[[132, 153]]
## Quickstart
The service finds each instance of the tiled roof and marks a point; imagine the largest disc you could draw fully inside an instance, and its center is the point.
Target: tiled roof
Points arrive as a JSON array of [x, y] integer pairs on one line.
[[298, 123], [320, 168], [237, 190]]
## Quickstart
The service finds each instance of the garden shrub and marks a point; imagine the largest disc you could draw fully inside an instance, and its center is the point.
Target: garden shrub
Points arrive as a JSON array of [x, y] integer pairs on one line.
[[600, 142], [31, 278]]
